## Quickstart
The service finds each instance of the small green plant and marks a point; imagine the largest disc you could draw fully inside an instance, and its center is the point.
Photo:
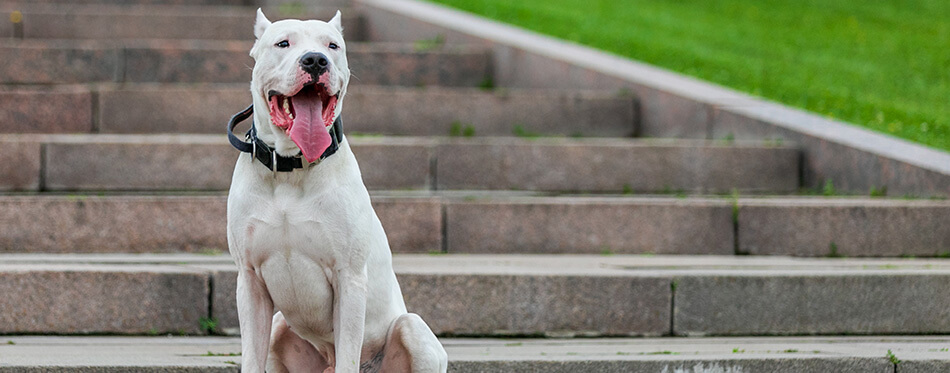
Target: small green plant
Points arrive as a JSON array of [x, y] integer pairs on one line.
[[461, 129], [518, 130], [833, 251], [513, 344], [358, 134], [152, 332], [737, 350], [436, 252], [729, 138], [424, 45], [222, 354], [878, 193], [627, 189], [663, 353], [11, 342], [892, 358], [790, 351], [487, 84], [621, 353], [829, 188], [674, 285], [605, 251], [230, 362], [776, 142], [208, 324], [944, 255], [209, 251], [76, 198]]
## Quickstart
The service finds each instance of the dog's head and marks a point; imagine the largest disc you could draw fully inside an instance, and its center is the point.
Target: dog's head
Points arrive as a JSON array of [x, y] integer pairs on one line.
[[300, 76]]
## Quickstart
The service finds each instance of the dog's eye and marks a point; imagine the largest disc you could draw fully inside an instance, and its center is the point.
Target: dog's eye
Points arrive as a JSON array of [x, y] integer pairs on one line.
[[333, 46], [282, 44]]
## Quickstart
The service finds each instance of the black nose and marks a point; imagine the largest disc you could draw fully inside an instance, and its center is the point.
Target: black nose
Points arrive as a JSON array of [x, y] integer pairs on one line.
[[314, 63]]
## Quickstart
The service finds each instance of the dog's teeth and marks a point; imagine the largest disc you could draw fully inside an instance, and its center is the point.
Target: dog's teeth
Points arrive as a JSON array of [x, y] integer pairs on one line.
[[287, 105]]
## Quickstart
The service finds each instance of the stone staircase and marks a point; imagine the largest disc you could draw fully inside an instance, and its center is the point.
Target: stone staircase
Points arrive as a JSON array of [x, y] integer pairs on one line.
[[513, 212]]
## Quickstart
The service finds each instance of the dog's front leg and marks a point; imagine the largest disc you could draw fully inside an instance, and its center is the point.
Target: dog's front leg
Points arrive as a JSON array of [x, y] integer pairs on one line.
[[255, 314], [349, 317]]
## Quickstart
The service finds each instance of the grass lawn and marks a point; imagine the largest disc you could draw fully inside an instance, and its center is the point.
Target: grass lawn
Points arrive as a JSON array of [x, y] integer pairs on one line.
[[882, 64]]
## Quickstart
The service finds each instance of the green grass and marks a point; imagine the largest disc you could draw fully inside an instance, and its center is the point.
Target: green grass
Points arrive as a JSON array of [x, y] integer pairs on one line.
[[884, 64]]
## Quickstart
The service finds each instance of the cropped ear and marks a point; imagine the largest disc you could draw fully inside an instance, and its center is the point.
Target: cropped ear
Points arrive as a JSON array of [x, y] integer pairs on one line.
[[337, 22], [261, 24]]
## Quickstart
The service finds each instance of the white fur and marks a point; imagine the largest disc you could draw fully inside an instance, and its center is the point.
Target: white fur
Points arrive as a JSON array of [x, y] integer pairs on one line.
[[307, 243]]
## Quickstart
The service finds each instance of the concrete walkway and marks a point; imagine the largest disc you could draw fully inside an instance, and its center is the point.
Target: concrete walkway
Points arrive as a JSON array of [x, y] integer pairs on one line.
[[760, 354]]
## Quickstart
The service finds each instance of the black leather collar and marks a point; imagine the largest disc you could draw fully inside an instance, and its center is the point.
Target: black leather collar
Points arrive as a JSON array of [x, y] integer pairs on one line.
[[267, 155]]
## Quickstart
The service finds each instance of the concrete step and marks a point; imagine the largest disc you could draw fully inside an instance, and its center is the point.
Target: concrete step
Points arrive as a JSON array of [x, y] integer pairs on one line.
[[498, 222], [687, 355], [104, 21], [179, 108], [55, 61], [205, 162], [516, 294]]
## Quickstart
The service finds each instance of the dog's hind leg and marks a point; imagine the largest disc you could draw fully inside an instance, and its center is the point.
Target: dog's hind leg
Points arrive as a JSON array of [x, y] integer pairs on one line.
[[412, 347], [289, 353]]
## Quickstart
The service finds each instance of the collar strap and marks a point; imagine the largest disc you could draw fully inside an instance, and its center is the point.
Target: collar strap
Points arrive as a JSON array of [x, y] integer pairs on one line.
[[267, 155]]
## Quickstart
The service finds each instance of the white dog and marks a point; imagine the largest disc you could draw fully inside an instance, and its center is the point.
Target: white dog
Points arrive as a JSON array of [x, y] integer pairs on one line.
[[303, 232]]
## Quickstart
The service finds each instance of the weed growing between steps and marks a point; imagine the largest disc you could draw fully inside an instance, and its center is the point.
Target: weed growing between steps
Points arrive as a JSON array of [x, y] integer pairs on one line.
[[833, 251], [487, 84], [208, 325], [425, 45], [519, 131], [459, 129], [222, 354], [892, 358]]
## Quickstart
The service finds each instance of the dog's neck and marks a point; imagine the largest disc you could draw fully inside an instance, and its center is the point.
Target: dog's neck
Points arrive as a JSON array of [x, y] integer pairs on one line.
[[265, 153]]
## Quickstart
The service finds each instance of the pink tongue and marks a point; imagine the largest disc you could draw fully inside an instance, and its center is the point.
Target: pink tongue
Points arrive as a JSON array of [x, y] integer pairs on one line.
[[308, 131]]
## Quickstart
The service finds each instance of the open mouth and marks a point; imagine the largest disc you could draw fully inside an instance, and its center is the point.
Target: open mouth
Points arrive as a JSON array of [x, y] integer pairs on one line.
[[305, 116]]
